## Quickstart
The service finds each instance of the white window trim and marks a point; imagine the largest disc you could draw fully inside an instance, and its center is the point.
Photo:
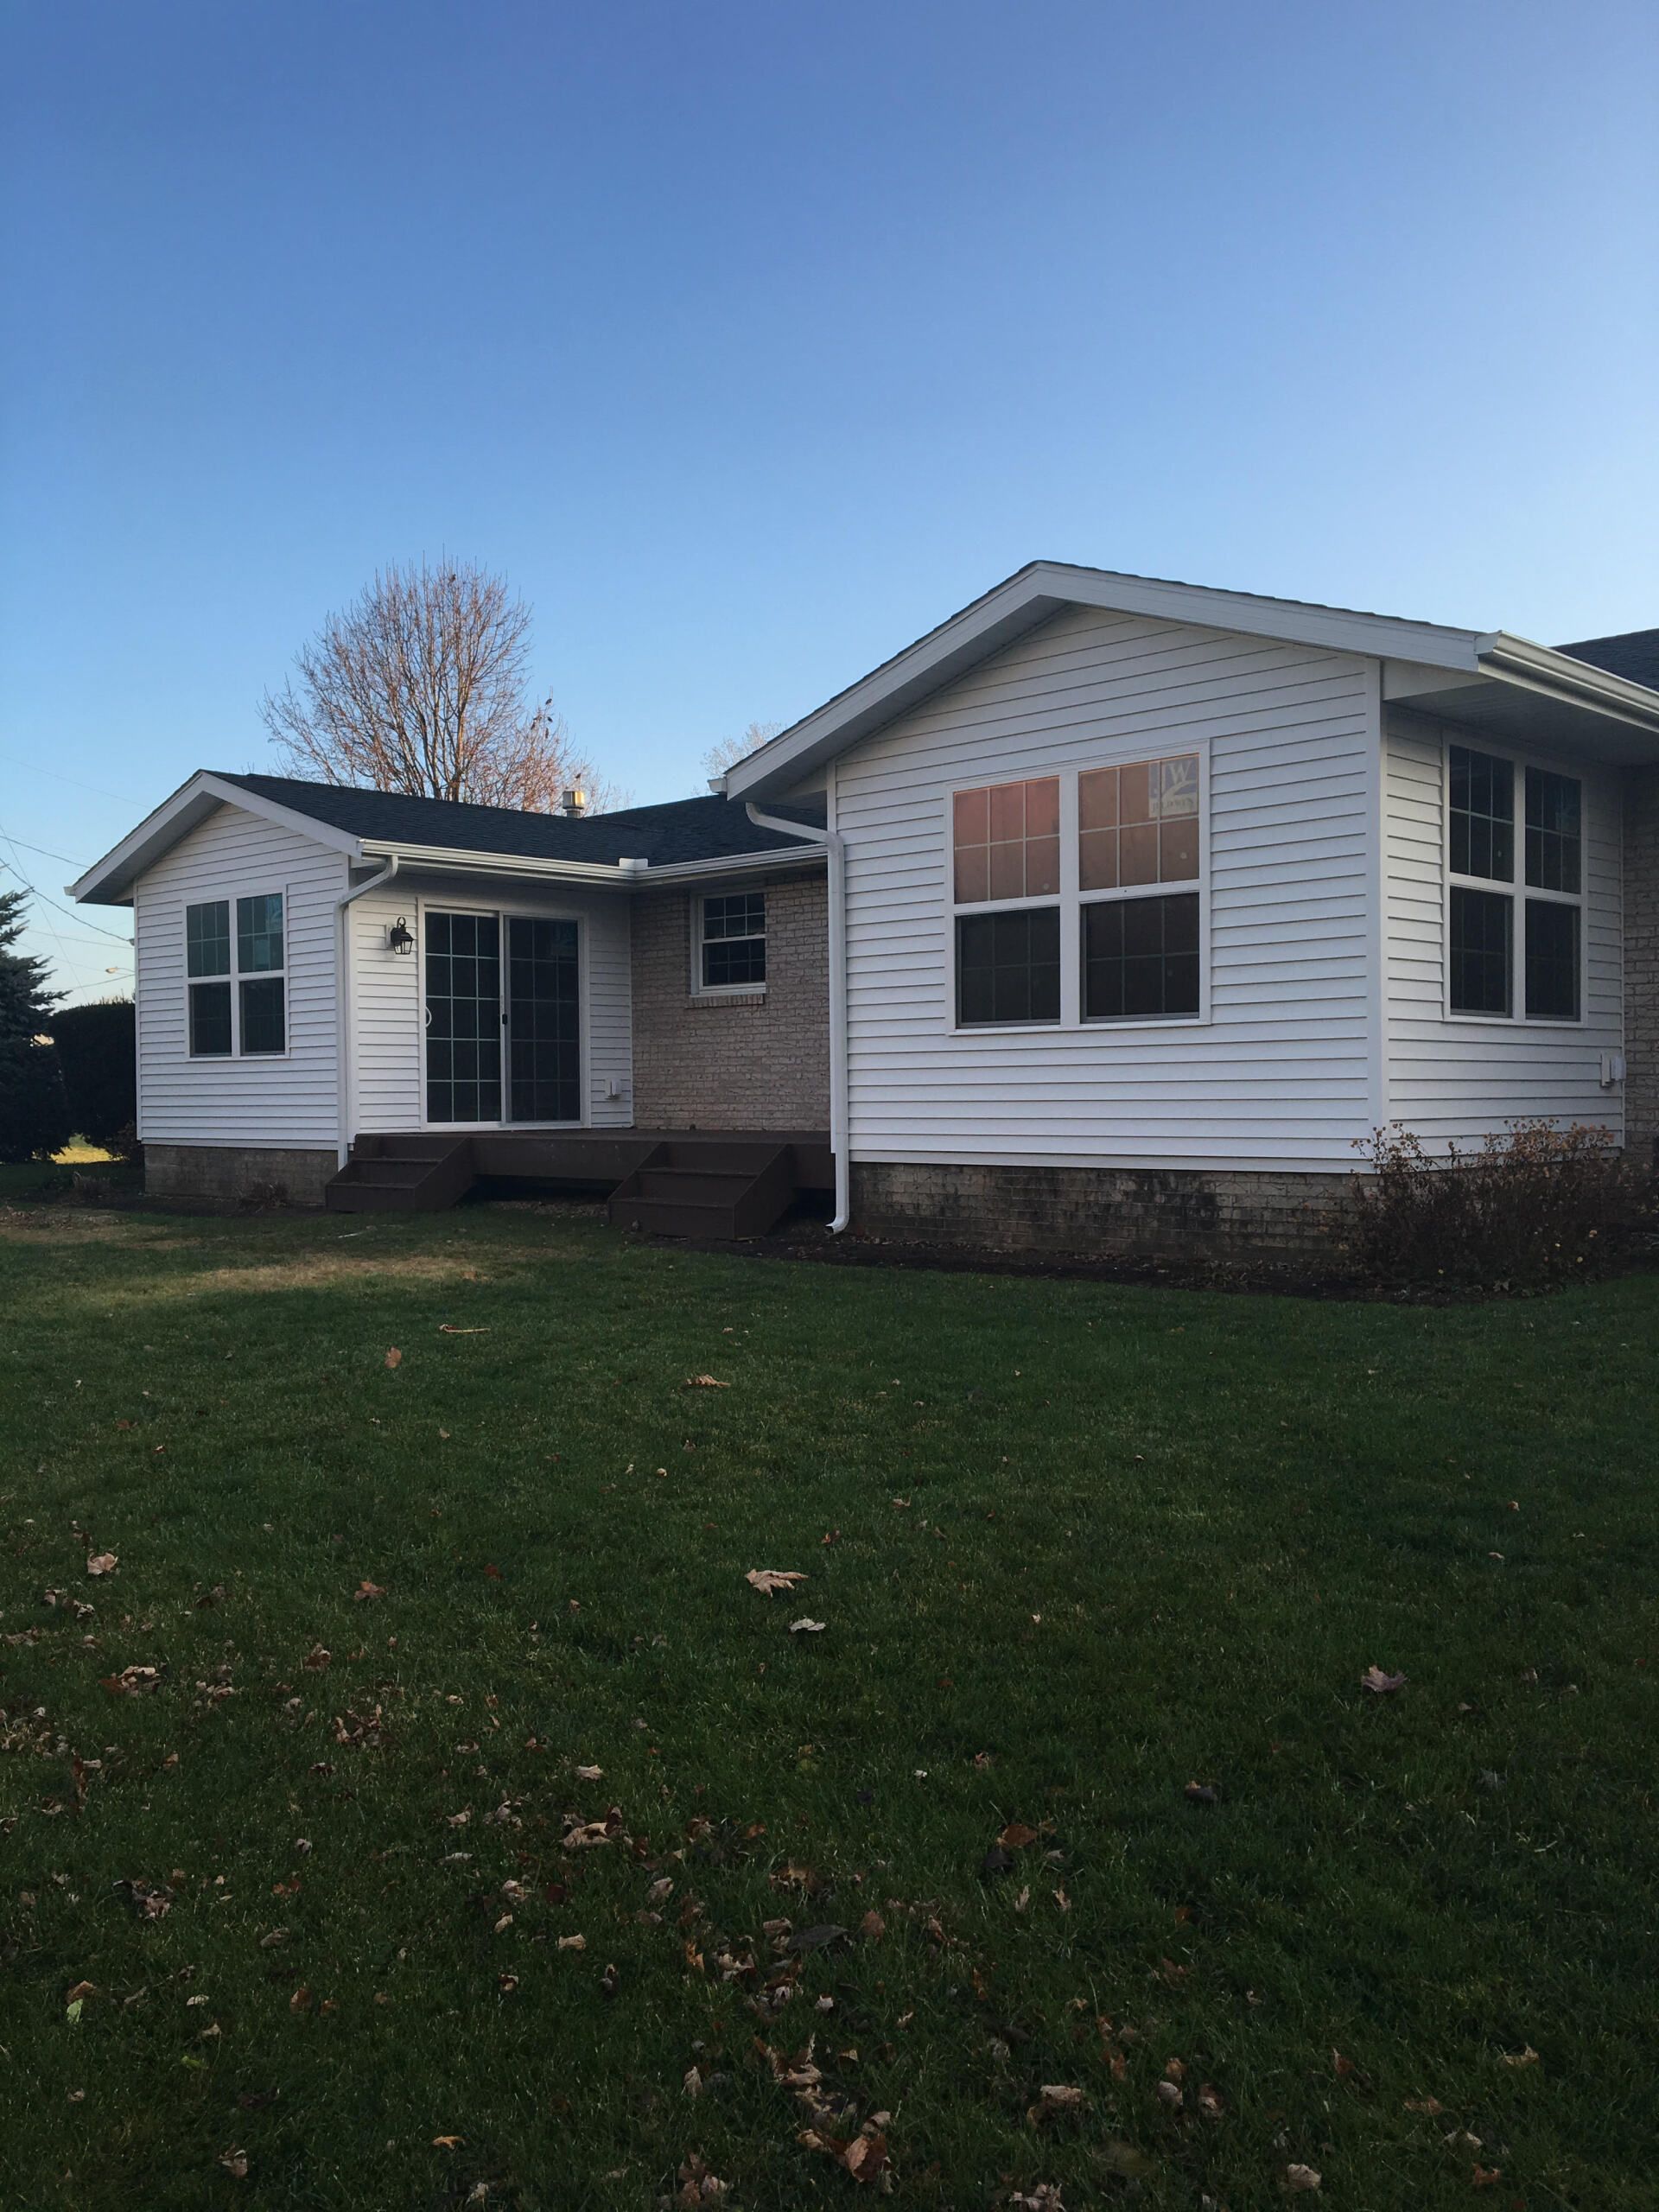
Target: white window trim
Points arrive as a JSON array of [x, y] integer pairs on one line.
[[1072, 899], [502, 915], [1516, 890], [235, 978], [699, 988]]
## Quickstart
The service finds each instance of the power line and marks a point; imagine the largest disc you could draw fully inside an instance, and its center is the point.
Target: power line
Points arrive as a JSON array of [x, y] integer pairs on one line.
[[34, 889], [45, 852], [58, 777]]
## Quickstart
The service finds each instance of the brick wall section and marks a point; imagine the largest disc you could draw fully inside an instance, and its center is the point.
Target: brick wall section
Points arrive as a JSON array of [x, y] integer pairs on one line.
[[1106, 1212], [759, 1062], [1641, 965], [236, 1171]]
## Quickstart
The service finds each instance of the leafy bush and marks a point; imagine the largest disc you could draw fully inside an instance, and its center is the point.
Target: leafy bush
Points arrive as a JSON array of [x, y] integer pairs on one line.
[[96, 1045], [1534, 1206]]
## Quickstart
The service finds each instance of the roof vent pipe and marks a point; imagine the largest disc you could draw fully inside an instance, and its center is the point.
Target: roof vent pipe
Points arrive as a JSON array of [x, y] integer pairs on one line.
[[573, 801]]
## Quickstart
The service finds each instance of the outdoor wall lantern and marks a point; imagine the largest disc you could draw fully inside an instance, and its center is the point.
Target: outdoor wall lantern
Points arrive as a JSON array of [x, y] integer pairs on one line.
[[400, 937]]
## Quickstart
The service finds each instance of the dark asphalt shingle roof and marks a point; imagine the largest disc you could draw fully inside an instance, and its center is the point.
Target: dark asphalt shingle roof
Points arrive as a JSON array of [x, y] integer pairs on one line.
[[1632, 653], [681, 830]]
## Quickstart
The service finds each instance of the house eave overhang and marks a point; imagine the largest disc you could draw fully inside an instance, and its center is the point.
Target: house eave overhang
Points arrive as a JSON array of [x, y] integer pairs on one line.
[[1585, 705], [1033, 595], [1528, 695], [109, 882]]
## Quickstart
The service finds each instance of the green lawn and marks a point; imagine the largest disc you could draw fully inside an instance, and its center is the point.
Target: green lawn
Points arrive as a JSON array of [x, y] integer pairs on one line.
[[1075, 1547]]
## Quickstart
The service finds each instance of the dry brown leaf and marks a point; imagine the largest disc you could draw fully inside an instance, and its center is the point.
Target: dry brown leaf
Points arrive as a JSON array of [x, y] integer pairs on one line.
[[1484, 2177], [769, 1580], [573, 1943], [1380, 1684], [704, 1382], [1302, 2178], [804, 1627], [590, 1774], [394, 1357], [131, 1681], [102, 1563], [1526, 2058], [1432, 2106], [368, 1590], [1054, 2098], [1017, 1836], [447, 2142], [236, 2162]]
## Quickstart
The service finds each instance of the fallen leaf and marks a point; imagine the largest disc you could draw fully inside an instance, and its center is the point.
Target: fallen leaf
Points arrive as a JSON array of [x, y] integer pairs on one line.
[[704, 1382], [1209, 2101], [1299, 2177], [235, 2162], [447, 2142], [767, 1580], [1202, 1793], [394, 1357], [1017, 1836], [368, 1590], [590, 1774], [1379, 1684], [573, 1943], [131, 1681], [1484, 2177], [448, 1329], [1054, 2098], [102, 1563], [1526, 2058], [1430, 2105], [873, 1927], [804, 1627]]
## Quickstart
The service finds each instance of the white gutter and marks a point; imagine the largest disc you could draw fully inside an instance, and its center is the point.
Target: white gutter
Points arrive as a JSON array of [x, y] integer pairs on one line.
[[831, 841], [342, 1015], [1579, 681], [616, 875]]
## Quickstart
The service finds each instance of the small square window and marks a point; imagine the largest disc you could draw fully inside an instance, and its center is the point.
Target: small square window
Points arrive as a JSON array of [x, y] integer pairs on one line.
[[1140, 958], [1005, 841], [733, 954], [1008, 966]]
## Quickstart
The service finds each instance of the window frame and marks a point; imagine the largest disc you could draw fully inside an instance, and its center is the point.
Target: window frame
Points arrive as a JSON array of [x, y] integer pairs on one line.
[[233, 976], [1071, 899], [699, 943], [1515, 889]]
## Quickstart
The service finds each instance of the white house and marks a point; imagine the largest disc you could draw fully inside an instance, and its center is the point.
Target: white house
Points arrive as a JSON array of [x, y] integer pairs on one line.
[[1112, 913]]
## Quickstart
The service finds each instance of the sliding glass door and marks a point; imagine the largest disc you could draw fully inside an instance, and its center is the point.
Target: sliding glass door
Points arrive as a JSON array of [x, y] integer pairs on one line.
[[463, 1017], [544, 1022], [477, 1034]]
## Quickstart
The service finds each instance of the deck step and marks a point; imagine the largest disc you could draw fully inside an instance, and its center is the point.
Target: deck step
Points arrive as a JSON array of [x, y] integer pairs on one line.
[[717, 1190], [401, 1174]]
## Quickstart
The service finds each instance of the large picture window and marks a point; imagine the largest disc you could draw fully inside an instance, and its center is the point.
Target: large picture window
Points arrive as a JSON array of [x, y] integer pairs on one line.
[[1514, 950], [1078, 898], [236, 979]]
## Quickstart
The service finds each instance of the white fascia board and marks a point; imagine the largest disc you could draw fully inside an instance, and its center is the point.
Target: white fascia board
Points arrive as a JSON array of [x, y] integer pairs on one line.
[[1538, 668], [109, 882], [1031, 597]]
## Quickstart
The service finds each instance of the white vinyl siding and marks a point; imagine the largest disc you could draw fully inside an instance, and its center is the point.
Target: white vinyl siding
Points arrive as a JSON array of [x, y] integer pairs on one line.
[[1456, 1080], [1278, 1073], [287, 1099], [387, 1000]]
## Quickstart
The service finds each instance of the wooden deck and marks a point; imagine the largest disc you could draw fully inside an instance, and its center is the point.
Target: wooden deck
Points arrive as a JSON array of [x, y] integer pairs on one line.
[[715, 1182]]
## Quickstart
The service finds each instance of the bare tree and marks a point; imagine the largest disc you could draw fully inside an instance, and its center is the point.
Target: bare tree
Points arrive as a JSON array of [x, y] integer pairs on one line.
[[730, 750], [420, 687]]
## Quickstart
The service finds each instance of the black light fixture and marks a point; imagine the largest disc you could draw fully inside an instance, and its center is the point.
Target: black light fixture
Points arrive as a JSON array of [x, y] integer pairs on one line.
[[400, 937]]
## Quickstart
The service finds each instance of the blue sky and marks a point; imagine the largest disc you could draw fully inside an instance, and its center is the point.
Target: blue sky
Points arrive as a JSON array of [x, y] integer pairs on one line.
[[749, 340]]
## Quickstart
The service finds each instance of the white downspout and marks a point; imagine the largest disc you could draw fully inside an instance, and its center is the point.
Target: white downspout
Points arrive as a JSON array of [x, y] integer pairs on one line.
[[834, 846], [343, 1026]]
